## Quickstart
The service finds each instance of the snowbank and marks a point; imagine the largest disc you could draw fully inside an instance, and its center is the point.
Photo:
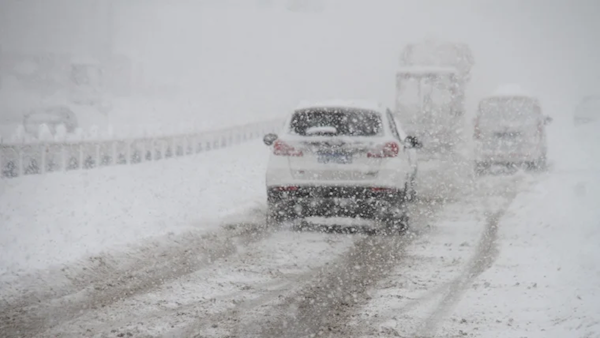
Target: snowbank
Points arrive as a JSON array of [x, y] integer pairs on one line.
[[53, 219]]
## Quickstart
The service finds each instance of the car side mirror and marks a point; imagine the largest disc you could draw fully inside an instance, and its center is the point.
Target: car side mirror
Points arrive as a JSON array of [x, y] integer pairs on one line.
[[269, 139], [547, 120], [413, 142]]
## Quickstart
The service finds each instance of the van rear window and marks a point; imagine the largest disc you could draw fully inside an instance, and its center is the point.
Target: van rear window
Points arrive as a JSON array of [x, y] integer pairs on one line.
[[509, 109]]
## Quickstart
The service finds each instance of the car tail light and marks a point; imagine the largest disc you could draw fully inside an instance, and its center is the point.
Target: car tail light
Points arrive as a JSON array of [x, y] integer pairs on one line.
[[281, 148], [390, 149], [381, 189]]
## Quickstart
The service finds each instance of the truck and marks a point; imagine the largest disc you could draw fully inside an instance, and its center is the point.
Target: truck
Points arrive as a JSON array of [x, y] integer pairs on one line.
[[430, 103]]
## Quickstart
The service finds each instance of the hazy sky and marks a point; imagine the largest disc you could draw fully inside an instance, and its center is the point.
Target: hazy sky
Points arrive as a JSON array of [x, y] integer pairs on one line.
[[236, 56]]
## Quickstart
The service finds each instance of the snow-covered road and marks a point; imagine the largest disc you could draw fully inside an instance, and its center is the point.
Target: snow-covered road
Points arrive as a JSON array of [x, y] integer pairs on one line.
[[248, 280], [422, 290], [512, 255]]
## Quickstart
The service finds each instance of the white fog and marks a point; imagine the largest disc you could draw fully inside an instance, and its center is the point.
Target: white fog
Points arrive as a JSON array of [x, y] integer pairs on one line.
[[299, 168]]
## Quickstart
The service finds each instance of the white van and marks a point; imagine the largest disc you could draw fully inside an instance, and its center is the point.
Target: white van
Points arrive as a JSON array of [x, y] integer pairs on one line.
[[510, 130]]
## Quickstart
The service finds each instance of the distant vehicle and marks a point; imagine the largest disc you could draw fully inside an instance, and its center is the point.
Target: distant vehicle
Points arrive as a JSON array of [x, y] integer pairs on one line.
[[587, 111], [427, 106], [341, 159], [430, 92], [431, 88], [510, 130], [30, 120], [52, 117], [26, 112]]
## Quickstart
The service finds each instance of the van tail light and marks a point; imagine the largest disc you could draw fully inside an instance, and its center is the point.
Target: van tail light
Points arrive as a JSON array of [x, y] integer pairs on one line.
[[281, 148], [476, 130], [390, 149]]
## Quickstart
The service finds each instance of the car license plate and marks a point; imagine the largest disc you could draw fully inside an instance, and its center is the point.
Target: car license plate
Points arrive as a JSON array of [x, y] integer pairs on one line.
[[337, 158]]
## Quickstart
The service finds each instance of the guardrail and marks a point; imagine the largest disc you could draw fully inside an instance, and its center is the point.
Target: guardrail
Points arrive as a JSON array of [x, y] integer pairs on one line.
[[40, 157]]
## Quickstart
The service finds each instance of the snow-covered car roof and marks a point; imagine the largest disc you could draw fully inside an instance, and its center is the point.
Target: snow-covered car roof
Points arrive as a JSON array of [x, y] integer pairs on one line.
[[511, 90], [424, 70], [357, 104]]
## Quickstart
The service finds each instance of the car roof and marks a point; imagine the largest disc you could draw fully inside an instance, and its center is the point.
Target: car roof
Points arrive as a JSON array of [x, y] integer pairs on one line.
[[424, 70], [351, 104]]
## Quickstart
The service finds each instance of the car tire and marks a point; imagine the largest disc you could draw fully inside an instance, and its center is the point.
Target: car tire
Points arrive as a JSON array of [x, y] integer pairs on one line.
[[395, 219], [409, 194], [397, 224], [277, 215]]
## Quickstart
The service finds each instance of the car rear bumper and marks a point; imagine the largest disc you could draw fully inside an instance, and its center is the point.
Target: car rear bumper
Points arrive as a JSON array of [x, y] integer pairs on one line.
[[507, 158], [345, 201], [390, 174], [520, 153]]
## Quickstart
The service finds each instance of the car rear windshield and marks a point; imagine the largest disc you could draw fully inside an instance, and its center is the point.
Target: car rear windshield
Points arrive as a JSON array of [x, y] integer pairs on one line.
[[338, 122]]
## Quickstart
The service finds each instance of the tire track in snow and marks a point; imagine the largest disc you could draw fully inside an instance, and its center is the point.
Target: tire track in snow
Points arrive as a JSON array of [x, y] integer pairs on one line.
[[389, 312], [229, 318], [212, 298], [104, 284], [314, 309], [318, 307], [483, 258]]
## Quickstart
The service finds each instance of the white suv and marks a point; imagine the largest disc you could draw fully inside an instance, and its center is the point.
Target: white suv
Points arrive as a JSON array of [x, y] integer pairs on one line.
[[341, 159]]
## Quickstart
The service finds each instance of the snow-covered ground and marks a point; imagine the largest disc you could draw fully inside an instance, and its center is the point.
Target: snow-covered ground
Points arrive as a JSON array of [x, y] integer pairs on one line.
[[221, 285], [179, 247], [514, 255], [49, 220], [423, 288], [519, 258], [206, 300], [545, 281]]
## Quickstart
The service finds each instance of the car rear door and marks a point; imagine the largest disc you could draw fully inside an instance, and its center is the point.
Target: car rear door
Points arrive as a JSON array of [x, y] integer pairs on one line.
[[330, 152]]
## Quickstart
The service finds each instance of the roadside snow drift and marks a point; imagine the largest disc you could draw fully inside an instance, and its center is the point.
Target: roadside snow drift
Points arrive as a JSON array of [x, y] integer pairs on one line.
[[53, 219]]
